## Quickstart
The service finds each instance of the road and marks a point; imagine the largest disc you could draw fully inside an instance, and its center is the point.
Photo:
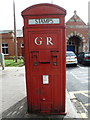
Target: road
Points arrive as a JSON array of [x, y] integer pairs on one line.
[[78, 82]]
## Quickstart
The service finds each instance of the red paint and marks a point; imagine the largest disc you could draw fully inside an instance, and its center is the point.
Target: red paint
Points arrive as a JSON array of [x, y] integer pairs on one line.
[[45, 54]]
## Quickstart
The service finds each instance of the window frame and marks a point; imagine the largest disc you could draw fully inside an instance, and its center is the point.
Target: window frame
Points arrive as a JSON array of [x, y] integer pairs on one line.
[[5, 47]]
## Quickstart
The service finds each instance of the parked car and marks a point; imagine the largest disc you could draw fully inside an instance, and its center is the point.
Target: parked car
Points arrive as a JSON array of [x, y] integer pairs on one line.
[[71, 58], [84, 57]]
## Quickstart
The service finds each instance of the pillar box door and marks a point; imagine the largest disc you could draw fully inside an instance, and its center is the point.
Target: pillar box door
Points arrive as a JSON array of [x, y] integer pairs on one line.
[[45, 58]]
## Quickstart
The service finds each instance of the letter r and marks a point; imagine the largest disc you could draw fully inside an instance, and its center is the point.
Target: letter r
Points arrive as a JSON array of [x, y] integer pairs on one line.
[[49, 41]]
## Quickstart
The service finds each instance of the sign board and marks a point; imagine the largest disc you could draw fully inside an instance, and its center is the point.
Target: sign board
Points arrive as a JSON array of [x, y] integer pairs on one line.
[[44, 21]]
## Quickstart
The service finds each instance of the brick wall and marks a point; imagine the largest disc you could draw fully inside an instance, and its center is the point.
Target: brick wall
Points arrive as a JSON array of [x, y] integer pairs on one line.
[[9, 39]]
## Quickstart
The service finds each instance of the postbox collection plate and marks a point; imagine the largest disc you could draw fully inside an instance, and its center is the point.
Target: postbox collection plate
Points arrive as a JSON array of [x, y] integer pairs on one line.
[[45, 79]]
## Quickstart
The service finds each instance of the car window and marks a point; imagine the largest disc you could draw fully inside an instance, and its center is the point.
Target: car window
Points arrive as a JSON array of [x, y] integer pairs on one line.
[[70, 54], [87, 54]]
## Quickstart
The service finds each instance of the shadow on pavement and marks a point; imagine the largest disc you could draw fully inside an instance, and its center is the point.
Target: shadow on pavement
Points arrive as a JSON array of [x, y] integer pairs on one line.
[[19, 111]]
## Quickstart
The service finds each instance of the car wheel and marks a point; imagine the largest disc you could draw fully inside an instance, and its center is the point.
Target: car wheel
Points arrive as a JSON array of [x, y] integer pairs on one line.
[[83, 62]]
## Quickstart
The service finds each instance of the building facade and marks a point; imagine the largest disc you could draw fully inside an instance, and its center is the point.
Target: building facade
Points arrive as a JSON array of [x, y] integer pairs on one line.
[[7, 43], [77, 34], [77, 38]]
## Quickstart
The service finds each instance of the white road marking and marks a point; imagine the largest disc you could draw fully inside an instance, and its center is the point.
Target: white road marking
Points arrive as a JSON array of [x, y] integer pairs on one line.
[[14, 112], [77, 92], [18, 112], [74, 75], [83, 67], [87, 104], [81, 75], [86, 95], [21, 107], [9, 113]]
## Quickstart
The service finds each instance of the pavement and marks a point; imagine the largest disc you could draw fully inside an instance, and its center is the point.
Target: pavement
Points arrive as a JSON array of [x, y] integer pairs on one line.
[[13, 102]]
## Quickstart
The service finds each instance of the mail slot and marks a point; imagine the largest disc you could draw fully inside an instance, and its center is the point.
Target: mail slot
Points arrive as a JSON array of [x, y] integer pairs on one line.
[[45, 58]]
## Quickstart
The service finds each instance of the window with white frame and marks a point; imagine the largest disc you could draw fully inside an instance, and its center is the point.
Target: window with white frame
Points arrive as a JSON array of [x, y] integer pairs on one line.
[[5, 48]]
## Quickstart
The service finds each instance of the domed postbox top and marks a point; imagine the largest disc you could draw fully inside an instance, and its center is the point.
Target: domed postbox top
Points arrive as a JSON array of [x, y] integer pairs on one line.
[[44, 9]]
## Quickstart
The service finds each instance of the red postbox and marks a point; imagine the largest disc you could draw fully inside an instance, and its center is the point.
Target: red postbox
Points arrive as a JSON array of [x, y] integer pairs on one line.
[[45, 58]]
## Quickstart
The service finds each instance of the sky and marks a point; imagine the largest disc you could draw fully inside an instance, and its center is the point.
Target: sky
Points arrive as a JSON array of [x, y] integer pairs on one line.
[[6, 10]]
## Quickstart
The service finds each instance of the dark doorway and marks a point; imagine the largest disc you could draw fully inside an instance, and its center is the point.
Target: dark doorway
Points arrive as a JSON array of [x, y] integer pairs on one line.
[[71, 48], [74, 43]]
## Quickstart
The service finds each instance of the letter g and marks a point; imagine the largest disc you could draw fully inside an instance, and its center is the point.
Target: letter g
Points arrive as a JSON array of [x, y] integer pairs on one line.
[[38, 41]]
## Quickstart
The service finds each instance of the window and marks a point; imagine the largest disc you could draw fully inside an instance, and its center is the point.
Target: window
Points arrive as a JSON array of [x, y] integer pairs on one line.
[[87, 54], [5, 48], [70, 42]]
